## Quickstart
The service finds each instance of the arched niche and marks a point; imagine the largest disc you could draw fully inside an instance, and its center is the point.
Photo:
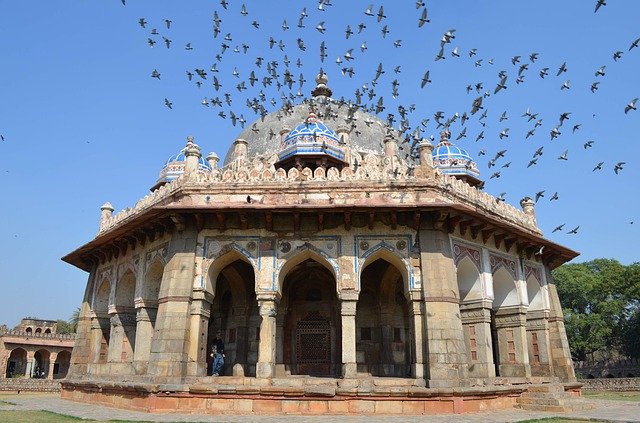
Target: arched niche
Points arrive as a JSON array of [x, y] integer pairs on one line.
[[41, 364], [469, 282], [16, 363], [152, 281], [299, 257], [125, 290], [101, 298], [385, 253], [234, 313], [309, 327], [383, 329], [221, 262], [61, 365], [535, 294], [504, 289]]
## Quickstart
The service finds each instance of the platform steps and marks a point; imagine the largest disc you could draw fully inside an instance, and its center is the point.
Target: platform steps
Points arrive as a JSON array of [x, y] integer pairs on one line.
[[551, 397]]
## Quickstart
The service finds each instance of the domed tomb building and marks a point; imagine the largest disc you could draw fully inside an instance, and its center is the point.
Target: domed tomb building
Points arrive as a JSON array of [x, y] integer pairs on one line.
[[342, 274]]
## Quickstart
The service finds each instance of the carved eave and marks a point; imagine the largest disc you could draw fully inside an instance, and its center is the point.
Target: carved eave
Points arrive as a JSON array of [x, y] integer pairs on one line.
[[441, 203]]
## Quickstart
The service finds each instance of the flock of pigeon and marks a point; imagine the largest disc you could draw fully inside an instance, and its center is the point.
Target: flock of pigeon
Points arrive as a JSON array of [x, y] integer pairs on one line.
[[277, 77]]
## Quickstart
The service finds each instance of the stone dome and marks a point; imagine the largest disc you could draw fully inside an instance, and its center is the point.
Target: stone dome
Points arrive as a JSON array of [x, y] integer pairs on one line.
[[312, 138], [453, 160], [366, 131]]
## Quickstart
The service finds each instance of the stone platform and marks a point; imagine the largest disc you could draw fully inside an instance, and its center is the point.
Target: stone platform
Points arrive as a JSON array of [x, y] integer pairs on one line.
[[297, 395]]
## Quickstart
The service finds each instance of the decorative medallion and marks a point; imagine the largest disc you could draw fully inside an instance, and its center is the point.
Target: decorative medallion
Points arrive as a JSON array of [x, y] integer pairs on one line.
[[213, 248], [401, 245], [285, 247], [364, 245], [251, 245], [330, 246]]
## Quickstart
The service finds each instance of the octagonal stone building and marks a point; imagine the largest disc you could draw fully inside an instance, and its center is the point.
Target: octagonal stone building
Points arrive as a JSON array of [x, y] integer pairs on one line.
[[344, 274]]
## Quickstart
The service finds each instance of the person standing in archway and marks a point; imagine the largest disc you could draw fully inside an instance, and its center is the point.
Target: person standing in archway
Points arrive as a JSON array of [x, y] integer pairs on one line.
[[217, 354]]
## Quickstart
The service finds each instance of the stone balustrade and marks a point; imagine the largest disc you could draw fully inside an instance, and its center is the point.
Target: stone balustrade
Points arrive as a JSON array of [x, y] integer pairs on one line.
[[373, 169]]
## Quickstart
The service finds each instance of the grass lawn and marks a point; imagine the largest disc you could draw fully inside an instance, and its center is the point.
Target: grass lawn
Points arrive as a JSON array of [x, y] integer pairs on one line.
[[558, 420], [43, 417], [619, 396]]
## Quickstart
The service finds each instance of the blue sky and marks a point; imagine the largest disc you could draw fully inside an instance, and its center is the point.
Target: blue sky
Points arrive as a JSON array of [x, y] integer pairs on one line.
[[84, 122]]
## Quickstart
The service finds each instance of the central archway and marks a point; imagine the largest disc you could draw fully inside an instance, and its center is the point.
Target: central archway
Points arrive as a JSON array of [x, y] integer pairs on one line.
[[309, 327]]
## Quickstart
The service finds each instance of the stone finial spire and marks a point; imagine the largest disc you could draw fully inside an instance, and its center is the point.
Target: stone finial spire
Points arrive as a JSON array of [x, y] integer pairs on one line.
[[106, 211], [390, 145], [444, 136], [213, 159], [425, 150], [528, 207], [321, 89], [240, 148], [192, 154]]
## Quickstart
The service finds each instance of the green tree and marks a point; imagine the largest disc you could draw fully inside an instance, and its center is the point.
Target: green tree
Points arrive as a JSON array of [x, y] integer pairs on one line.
[[67, 327], [595, 300]]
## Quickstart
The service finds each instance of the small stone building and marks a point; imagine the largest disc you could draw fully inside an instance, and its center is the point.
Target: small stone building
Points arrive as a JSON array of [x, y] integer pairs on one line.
[[327, 253], [34, 350]]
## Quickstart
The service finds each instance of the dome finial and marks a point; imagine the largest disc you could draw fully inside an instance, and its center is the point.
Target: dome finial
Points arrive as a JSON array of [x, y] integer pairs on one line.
[[321, 89]]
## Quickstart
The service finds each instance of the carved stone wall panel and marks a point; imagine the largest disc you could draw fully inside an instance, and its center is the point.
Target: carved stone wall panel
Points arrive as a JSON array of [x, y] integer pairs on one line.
[[397, 245], [498, 261], [461, 250]]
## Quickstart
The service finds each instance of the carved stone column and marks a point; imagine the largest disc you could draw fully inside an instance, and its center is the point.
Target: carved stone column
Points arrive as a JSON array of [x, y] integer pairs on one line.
[[511, 335], [116, 336], [53, 356], [538, 343], [30, 366], [199, 328], [98, 324], [268, 304], [145, 316], [280, 320], [558, 343], [476, 321], [416, 309], [348, 303], [446, 350]]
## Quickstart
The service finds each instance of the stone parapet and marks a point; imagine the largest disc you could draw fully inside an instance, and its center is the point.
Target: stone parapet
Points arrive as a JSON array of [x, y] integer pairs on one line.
[[29, 385]]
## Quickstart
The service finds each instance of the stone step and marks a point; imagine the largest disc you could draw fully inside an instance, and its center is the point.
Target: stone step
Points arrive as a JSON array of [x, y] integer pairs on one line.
[[547, 387], [541, 401], [550, 408]]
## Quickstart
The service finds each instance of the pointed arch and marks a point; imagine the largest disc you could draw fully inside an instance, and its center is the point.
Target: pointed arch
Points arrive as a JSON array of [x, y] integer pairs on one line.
[[125, 290], [504, 289], [228, 255], [387, 253], [306, 252], [469, 280], [101, 297], [150, 289]]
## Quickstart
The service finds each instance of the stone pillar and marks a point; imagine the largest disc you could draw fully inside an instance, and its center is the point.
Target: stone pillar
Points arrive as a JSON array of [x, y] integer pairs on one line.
[[283, 134], [116, 337], [53, 356], [538, 343], [200, 313], [558, 343], [106, 211], [476, 320], [30, 364], [170, 345], [280, 320], [242, 336], [511, 334], [268, 304], [145, 316], [446, 350], [348, 303], [416, 310]]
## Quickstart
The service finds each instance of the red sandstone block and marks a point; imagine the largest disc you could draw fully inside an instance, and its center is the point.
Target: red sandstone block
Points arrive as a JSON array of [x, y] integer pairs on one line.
[[192, 403], [166, 403], [267, 406], [242, 405], [388, 407], [219, 404], [412, 407], [291, 406], [361, 406], [438, 407], [338, 407], [318, 407]]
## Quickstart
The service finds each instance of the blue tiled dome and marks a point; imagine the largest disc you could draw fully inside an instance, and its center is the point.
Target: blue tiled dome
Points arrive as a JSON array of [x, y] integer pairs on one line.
[[311, 138], [453, 160], [175, 165]]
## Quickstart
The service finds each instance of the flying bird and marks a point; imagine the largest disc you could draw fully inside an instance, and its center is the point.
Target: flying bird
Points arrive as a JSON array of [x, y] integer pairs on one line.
[[574, 230], [558, 228], [631, 106], [425, 79], [599, 4], [168, 103], [618, 167], [423, 18]]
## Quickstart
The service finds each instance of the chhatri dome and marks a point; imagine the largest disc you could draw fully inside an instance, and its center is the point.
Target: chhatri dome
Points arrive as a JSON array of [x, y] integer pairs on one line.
[[175, 165], [454, 161]]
